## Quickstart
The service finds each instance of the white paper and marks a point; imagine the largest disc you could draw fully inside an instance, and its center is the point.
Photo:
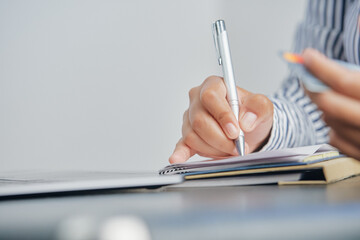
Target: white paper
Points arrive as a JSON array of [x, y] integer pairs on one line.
[[285, 155]]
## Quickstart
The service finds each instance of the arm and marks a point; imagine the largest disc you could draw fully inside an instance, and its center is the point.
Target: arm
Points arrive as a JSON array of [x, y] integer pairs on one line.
[[289, 119], [297, 121]]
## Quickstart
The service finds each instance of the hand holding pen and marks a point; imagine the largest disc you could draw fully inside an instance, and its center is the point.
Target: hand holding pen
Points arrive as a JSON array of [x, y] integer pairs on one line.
[[210, 126], [224, 59]]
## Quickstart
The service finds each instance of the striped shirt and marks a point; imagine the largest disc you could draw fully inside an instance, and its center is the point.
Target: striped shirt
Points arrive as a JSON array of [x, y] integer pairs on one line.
[[332, 27]]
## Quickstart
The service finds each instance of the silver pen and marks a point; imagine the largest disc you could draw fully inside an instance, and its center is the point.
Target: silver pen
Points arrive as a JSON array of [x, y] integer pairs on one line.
[[224, 59]]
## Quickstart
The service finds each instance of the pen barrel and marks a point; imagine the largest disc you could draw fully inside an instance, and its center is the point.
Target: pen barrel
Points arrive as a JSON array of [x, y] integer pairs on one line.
[[240, 145], [222, 44], [228, 71], [234, 104]]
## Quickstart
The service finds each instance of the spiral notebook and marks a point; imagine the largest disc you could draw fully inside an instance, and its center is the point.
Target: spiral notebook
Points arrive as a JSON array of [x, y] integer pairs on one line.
[[319, 164], [297, 155]]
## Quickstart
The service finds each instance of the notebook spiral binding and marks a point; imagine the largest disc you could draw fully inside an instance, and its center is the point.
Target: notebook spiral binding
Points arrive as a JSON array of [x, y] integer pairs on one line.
[[178, 170]]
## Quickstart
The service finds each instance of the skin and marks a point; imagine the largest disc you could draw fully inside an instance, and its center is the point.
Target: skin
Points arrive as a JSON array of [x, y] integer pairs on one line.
[[207, 122], [341, 104], [209, 125]]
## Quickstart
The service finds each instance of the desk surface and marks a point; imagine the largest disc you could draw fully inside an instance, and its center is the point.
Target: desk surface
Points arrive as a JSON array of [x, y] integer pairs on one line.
[[256, 212]]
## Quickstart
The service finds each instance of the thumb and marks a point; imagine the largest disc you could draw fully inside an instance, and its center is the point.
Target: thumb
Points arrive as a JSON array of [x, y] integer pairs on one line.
[[255, 109], [181, 153]]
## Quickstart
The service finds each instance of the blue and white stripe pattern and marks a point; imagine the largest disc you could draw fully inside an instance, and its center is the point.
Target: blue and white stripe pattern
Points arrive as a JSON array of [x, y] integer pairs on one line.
[[330, 26]]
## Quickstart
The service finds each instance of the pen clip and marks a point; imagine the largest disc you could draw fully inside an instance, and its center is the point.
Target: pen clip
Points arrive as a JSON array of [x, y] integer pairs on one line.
[[215, 36]]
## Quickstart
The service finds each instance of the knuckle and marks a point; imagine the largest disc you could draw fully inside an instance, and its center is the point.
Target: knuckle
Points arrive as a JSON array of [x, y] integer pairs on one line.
[[192, 93], [224, 116], [189, 139], [264, 104], [208, 95], [214, 81], [198, 123], [262, 100], [213, 78]]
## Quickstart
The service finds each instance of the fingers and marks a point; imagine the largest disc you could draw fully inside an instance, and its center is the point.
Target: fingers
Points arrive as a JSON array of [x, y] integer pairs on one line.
[[209, 125], [191, 143], [207, 128], [256, 109], [193, 140], [201, 133], [181, 153], [345, 146], [335, 105], [243, 94], [344, 130], [341, 105], [213, 99], [332, 74], [256, 119]]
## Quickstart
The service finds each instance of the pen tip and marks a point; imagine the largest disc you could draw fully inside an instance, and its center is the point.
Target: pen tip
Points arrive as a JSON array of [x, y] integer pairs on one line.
[[240, 146]]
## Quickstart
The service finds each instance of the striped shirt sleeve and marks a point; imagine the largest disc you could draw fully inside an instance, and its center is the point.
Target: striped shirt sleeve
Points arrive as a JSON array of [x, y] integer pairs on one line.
[[297, 121]]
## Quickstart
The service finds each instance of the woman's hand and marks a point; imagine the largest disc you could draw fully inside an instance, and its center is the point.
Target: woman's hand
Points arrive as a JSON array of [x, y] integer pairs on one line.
[[209, 125], [341, 104]]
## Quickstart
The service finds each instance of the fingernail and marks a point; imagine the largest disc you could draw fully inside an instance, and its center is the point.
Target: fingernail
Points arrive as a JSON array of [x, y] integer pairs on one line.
[[248, 121], [231, 130]]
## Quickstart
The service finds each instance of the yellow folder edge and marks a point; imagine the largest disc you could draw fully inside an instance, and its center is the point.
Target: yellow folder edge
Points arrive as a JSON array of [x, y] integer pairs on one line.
[[334, 170], [317, 182]]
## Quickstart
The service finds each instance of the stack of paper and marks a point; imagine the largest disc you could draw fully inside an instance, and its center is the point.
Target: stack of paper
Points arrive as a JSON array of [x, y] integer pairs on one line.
[[311, 164]]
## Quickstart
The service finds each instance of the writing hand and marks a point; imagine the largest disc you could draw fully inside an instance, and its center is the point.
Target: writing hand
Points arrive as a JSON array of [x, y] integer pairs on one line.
[[209, 125]]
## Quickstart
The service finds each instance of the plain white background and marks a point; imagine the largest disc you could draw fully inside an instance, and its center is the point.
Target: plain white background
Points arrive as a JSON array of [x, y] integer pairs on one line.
[[102, 85]]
